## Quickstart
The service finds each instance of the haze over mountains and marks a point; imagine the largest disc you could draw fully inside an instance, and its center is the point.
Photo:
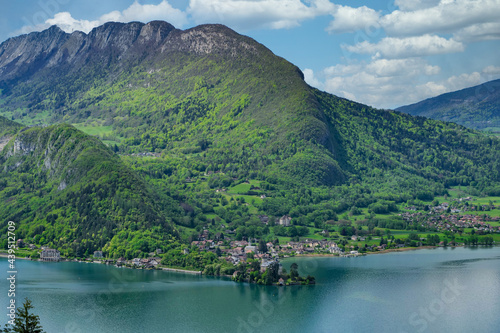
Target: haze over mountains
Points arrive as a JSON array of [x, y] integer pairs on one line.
[[476, 107], [212, 109]]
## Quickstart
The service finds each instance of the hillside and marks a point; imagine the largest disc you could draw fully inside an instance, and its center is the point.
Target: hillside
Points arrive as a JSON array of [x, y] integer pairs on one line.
[[67, 190], [162, 89], [475, 107], [214, 130]]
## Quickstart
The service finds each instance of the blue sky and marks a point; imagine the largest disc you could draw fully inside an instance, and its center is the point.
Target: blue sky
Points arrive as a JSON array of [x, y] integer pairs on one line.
[[384, 53]]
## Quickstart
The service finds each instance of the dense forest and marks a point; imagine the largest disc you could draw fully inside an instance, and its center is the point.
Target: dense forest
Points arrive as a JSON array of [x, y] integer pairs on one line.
[[206, 130]]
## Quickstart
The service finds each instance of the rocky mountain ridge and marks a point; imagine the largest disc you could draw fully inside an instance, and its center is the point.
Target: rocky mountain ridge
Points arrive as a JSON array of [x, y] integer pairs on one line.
[[25, 55]]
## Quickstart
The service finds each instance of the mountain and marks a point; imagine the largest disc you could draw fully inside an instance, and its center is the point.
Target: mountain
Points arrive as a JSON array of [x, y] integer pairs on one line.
[[67, 189], [476, 107], [195, 114]]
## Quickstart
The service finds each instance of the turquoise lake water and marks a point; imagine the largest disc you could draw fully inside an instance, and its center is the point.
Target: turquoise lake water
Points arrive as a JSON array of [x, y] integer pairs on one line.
[[435, 290]]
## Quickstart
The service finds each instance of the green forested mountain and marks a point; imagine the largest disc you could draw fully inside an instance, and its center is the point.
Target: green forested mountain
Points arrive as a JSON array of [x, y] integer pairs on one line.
[[476, 107], [190, 112], [66, 188]]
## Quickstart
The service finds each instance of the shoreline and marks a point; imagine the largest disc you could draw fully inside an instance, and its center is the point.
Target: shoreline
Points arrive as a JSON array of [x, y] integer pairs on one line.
[[178, 270], [6, 255], [403, 249]]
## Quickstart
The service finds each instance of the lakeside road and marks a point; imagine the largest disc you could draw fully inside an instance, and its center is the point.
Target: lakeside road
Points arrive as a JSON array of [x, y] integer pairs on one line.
[[181, 270]]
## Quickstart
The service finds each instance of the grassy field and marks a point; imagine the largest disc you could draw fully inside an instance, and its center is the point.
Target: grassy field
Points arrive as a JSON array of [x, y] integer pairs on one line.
[[41, 118], [243, 187], [105, 133]]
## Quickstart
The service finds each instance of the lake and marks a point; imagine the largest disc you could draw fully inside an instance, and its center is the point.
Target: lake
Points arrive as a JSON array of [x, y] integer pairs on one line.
[[431, 290]]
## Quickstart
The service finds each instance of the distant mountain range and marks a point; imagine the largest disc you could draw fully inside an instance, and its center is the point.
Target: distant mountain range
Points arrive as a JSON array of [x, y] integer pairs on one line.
[[475, 107], [190, 112]]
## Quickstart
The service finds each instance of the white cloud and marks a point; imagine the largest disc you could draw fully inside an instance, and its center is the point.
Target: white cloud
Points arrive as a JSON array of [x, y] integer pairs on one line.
[[391, 48], [257, 14], [136, 12], [401, 67], [382, 83], [446, 17], [491, 70], [145, 13], [462, 81], [349, 19], [67, 23], [391, 83], [409, 5], [342, 69], [311, 79], [477, 32]]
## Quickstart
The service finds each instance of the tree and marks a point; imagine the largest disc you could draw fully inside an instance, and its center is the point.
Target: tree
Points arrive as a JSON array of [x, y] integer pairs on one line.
[[272, 273], [262, 246], [294, 274], [24, 321]]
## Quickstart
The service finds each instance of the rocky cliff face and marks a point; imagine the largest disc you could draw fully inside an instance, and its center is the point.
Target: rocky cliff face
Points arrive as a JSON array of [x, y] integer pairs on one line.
[[24, 56]]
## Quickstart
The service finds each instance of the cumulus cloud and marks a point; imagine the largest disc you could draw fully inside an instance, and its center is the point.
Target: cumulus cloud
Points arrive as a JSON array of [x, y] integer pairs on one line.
[[67, 23], [349, 19], [383, 83], [401, 67], [409, 5], [478, 32], [391, 83], [446, 17], [491, 70], [311, 79], [257, 14], [136, 12], [391, 48]]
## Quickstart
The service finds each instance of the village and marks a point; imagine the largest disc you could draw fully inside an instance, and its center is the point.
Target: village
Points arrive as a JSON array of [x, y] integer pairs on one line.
[[445, 218], [452, 217]]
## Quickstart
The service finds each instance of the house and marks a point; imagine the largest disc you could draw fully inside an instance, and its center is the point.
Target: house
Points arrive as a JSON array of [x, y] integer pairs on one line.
[[98, 254], [264, 219], [264, 264], [334, 248], [249, 249], [50, 255], [20, 243], [155, 261], [120, 262], [285, 220]]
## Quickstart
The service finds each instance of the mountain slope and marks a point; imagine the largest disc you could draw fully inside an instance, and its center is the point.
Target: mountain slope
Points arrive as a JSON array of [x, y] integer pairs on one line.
[[475, 107], [69, 191], [199, 111], [165, 89]]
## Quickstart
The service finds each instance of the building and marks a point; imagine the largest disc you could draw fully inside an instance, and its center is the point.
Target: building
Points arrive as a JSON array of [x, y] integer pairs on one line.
[[285, 221], [249, 249], [20, 243], [98, 254], [50, 255]]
